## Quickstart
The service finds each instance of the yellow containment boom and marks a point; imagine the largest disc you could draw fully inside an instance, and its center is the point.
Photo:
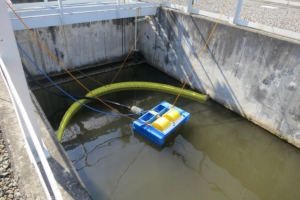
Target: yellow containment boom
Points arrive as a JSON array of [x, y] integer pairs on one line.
[[127, 86]]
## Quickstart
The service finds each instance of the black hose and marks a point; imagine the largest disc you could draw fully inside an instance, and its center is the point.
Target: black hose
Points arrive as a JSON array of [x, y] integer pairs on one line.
[[65, 96]]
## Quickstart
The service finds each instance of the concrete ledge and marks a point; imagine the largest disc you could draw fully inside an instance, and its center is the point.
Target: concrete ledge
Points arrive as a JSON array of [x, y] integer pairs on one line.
[[69, 183]]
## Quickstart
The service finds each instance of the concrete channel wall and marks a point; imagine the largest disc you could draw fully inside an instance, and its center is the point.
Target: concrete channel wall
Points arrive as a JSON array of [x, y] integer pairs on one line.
[[250, 72], [80, 45]]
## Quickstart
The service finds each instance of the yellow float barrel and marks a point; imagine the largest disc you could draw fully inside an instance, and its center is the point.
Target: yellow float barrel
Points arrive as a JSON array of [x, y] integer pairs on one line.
[[161, 124], [172, 115]]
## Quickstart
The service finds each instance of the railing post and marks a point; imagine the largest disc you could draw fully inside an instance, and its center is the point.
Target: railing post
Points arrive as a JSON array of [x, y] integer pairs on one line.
[[46, 3], [190, 6], [61, 11], [118, 8], [162, 3], [135, 25], [237, 11]]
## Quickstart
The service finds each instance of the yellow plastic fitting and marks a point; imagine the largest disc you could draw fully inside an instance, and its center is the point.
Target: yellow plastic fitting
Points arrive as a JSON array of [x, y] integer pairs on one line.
[[161, 124], [172, 115]]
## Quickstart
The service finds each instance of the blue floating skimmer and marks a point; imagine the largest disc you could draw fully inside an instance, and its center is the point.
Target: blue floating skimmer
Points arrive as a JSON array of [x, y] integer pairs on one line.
[[163, 120]]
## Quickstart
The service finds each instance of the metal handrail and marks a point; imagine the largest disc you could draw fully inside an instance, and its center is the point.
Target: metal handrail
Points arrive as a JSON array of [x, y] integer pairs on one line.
[[27, 125]]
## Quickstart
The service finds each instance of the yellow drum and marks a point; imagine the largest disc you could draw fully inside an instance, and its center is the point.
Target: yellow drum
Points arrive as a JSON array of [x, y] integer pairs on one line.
[[161, 124], [172, 115]]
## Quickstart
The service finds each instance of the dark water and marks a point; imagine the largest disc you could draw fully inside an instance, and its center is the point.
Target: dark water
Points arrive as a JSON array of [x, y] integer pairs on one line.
[[216, 155]]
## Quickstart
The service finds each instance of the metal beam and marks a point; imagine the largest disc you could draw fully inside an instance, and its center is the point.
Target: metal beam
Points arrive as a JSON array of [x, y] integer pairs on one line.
[[141, 20], [78, 17], [55, 3], [35, 12]]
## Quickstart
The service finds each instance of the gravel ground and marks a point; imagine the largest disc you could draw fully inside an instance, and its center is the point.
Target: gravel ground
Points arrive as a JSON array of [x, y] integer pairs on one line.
[[8, 186], [272, 15]]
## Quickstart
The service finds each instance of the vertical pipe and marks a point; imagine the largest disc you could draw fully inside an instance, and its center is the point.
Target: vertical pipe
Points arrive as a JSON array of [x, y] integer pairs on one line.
[[46, 2], [118, 8], [237, 11], [135, 26], [61, 12], [189, 9]]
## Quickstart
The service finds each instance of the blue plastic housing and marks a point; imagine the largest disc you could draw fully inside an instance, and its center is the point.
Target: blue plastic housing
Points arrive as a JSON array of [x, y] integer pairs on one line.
[[151, 133]]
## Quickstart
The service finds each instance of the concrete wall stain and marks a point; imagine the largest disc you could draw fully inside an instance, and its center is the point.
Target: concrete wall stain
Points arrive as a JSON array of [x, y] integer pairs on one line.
[[248, 72], [52, 32], [80, 45], [80, 25]]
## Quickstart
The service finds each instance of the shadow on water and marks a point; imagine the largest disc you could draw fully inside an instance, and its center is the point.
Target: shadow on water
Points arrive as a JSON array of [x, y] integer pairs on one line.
[[216, 155]]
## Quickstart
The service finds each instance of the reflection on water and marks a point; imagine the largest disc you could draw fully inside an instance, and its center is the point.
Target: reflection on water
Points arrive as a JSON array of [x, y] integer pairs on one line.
[[216, 155]]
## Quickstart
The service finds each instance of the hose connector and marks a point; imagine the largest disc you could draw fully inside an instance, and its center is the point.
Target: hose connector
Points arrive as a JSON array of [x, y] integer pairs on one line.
[[136, 109]]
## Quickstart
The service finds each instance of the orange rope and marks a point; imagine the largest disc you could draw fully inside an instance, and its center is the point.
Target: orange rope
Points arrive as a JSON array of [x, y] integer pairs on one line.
[[58, 58], [201, 53], [67, 70], [133, 45]]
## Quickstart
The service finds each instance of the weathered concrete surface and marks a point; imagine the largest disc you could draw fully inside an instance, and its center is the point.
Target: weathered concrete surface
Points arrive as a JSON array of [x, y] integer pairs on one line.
[[69, 183], [80, 45], [250, 72]]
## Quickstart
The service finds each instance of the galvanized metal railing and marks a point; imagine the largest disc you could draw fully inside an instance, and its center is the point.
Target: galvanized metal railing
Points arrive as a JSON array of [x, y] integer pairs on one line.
[[37, 15], [14, 78], [236, 20]]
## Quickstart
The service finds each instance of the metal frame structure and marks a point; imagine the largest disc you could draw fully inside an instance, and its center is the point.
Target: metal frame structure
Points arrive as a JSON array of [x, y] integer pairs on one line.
[[270, 29], [55, 13], [62, 14]]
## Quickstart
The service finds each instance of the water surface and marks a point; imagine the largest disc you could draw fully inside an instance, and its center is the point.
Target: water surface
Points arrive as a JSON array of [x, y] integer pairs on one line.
[[216, 155]]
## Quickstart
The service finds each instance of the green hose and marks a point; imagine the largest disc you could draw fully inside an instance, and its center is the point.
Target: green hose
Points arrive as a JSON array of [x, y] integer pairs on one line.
[[126, 86]]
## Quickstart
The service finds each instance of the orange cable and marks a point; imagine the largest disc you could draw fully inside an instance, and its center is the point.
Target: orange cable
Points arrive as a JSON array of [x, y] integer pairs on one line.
[[133, 45], [58, 58], [67, 70], [200, 53]]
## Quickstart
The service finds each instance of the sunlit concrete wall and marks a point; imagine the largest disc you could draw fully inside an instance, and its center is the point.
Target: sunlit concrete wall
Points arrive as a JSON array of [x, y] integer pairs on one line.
[[80, 45], [247, 71]]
